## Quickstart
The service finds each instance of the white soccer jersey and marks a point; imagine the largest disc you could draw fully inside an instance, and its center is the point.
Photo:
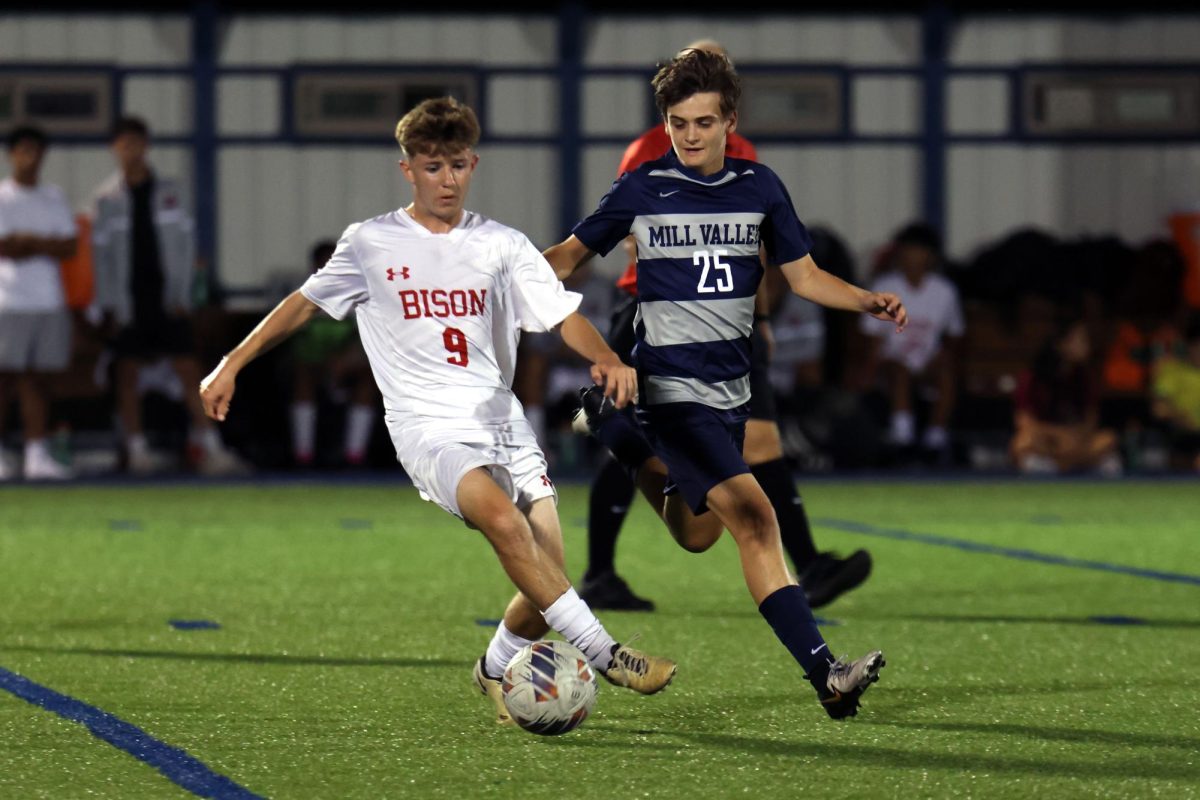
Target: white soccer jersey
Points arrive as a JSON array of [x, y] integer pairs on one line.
[[440, 314], [933, 312]]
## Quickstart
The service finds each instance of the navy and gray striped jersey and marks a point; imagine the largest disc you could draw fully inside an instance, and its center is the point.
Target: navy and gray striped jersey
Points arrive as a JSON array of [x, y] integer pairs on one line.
[[698, 269]]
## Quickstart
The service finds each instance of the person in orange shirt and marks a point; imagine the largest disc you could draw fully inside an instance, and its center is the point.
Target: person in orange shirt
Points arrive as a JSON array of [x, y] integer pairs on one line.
[[823, 575]]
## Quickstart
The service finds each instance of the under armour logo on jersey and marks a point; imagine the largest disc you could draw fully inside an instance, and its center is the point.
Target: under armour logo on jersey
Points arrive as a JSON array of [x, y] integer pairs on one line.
[[403, 273], [546, 481]]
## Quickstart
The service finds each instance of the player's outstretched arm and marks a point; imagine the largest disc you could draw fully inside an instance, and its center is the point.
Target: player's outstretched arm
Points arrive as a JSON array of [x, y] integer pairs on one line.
[[618, 379], [813, 283], [566, 256], [289, 316]]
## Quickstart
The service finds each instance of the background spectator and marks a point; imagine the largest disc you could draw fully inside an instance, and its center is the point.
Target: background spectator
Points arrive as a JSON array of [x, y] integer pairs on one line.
[[327, 353], [144, 252], [1057, 410], [1176, 392], [36, 232], [924, 356]]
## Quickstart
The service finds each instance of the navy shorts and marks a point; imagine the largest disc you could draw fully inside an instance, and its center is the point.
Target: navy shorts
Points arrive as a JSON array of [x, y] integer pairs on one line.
[[701, 446]]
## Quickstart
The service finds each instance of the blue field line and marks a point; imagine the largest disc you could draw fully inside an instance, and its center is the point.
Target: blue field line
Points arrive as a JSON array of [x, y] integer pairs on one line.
[[179, 767], [850, 526]]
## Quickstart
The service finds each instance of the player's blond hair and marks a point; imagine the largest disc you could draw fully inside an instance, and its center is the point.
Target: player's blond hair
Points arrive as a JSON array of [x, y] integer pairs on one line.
[[440, 126], [695, 70]]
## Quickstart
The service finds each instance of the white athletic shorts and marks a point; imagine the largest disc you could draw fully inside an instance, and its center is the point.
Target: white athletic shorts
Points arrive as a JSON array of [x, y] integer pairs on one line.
[[437, 453]]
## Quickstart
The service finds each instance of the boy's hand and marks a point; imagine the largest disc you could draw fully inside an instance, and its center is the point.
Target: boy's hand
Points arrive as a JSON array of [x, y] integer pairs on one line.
[[217, 390], [618, 379], [888, 307]]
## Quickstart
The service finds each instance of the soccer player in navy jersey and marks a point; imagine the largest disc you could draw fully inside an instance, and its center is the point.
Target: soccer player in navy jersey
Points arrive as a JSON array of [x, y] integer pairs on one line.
[[699, 218], [823, 575]]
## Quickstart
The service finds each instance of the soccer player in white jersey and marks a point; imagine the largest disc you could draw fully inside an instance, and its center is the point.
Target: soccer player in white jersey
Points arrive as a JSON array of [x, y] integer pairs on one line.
[[700, 218], [440, 295]]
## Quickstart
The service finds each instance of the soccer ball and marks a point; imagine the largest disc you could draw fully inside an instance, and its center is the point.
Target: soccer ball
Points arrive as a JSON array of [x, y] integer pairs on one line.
[[549, 687]]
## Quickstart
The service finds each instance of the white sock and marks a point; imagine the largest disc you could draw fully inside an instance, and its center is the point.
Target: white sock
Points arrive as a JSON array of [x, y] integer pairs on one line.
[[902, 428], [304, 429], [572, 618], [358, 432], [136, 443], [935, 437], [207, 438], [36, 449], [503, 647]]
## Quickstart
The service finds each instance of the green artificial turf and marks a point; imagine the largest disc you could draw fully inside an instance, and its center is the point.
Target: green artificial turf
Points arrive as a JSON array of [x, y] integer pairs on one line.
[[349, 614]]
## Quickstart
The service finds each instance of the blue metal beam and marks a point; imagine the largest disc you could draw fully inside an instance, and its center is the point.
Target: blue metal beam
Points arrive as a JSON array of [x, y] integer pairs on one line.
[[935, 41], [571, 20], [204, 130]]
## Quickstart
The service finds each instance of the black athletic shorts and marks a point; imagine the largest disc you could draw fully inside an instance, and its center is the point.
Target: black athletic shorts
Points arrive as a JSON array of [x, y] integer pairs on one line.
[[762, 395], [149, 339], [620, 329]]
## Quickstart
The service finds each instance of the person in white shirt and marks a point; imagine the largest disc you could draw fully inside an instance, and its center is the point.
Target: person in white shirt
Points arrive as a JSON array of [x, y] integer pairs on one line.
[[37, 231], [440, 295], [924, 356]]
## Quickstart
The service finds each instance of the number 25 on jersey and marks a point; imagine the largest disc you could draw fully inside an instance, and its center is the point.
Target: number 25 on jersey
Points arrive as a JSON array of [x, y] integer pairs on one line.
[[710, 260]]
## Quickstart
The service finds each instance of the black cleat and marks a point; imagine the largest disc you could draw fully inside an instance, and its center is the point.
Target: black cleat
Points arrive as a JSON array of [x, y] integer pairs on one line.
[[595, 407], [846, 683], [829, 577], [609, 590]]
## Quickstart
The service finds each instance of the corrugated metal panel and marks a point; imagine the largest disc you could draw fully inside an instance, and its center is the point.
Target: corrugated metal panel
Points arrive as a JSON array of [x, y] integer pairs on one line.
[[1011, 40], [977, 105], [524, 105], [597, 172], [863, 193], [165, 102], [514, 40], [248, 106], [126, 39], [615, 106], [886, 105], [1127, 191], [275, 202], [642, 41], [992, 191], [519, 186], [78, 171]]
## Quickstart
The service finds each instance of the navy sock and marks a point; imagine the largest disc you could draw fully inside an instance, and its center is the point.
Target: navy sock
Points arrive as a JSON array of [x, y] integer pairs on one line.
[[790, 617], [775, 477], [619, 432], [608, 503]]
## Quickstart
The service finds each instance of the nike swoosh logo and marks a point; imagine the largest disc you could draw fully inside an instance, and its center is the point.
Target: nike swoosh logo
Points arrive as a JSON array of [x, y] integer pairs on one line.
[[668, 194], [816, 650]]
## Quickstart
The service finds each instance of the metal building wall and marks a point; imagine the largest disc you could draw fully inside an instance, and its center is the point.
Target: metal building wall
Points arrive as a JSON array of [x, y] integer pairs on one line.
[[125, 40], [276, 196], [275, 200], [1067, 189]]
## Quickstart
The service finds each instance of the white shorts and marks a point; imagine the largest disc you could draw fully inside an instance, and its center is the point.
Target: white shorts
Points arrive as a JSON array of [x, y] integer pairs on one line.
[[437, 453]]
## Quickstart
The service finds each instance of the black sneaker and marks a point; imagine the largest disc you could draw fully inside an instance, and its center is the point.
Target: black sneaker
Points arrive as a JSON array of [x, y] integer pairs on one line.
[[829, 577], [846, 682], [594, 408], [609, 590]]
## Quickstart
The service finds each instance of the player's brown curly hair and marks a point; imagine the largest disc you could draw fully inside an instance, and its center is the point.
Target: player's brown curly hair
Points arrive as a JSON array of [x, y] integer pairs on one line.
[[693, 71], [439, 126]]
